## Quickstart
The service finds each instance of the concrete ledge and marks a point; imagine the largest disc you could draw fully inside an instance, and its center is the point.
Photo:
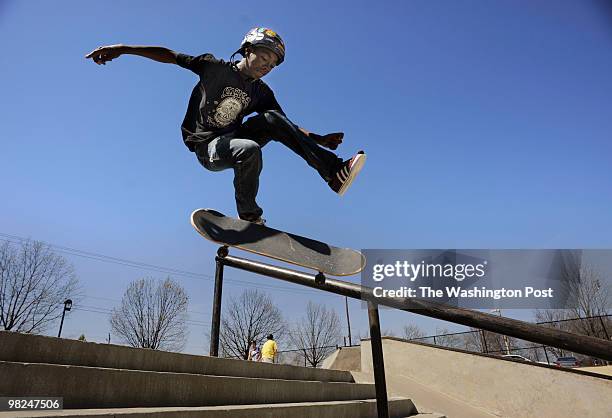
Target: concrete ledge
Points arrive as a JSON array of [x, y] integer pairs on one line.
[[28, 348], [577, 370], [602, 370], [90, 387], [398, 407]]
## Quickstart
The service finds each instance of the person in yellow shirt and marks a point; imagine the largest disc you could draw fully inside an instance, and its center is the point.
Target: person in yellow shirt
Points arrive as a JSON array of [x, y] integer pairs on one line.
[[269, 349]]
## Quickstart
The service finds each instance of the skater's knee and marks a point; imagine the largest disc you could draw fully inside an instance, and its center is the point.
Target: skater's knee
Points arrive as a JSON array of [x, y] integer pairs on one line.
[[273, 116], [248, 149]]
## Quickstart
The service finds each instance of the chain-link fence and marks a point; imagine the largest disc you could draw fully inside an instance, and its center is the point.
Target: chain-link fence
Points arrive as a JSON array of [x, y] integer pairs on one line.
[[300, 356], [487, 342]]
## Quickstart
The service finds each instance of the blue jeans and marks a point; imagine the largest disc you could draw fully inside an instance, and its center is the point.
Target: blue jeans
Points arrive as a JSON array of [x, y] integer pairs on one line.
[[241, 151]]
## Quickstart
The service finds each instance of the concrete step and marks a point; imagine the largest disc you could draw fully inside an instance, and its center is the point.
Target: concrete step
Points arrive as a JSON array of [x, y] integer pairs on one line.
[[398, 407], [425, 399], [27, 348], [95, 387]]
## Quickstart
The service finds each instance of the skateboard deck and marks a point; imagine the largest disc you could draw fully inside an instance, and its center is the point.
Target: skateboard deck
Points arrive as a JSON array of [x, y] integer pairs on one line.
[[279, 245]]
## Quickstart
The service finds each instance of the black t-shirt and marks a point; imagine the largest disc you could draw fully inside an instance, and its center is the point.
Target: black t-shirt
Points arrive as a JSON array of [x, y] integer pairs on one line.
[[221, 99]]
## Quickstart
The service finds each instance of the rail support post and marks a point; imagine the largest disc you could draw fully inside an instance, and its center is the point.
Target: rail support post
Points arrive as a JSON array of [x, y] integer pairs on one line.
[[320, 278], [380, 383], [216, 312]]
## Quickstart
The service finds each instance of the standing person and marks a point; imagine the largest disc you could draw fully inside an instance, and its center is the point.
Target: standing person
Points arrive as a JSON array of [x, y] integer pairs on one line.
[[254, 353], [227, 92], [269, 350]]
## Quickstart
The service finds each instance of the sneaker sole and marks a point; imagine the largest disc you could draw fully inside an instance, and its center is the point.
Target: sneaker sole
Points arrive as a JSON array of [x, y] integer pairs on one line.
[[355, 169]]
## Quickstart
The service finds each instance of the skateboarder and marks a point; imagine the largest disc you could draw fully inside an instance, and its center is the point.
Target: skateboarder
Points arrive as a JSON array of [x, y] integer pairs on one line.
[[227, 92]]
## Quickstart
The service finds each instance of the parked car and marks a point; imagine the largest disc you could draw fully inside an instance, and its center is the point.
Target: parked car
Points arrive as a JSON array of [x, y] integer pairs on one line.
[[516, 357], [567, 362]]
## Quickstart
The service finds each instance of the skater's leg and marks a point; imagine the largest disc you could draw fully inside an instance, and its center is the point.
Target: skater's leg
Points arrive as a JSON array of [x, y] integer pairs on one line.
[[274, 125], [244, 156]]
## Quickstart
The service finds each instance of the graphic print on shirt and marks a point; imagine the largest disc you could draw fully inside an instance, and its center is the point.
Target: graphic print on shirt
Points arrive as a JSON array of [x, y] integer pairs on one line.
[[233, 101]]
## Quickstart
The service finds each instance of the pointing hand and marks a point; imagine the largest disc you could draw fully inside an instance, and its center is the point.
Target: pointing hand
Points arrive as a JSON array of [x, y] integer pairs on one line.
[[103, 54]]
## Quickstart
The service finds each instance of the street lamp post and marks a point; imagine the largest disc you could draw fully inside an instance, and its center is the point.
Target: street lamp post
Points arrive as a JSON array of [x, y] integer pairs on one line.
[[67, 307]]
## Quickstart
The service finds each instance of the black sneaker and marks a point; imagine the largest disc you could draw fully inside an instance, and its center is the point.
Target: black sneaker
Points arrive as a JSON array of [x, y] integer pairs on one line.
[[342, 179]]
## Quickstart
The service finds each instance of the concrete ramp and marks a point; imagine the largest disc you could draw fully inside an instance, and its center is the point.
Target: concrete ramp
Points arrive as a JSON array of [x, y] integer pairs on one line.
[[437, 378], [426, 399], [344, 358]]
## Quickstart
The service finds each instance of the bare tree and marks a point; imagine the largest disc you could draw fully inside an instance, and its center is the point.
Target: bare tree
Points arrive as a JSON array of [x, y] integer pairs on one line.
[[251, 317], [152, 314], [388, 332], [412, 332], [489, 342], [34, 283], [447, 339], [591, 297], [473, 340], [317, 334], [554, 318]]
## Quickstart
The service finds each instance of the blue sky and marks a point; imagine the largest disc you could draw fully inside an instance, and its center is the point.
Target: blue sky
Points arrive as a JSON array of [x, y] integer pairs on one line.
[[487, 125]]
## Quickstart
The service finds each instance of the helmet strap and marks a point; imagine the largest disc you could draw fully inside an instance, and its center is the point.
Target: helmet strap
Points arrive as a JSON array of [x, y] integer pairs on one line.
[[233, 59]]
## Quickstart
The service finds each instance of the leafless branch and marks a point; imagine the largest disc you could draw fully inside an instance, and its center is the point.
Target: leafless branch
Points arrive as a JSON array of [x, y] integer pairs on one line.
[[152, 314], [34, 283], [317, 333], [251, 317]]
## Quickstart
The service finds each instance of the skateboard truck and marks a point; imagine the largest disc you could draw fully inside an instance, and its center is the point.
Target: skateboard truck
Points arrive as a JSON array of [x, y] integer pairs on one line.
[[320, 278]]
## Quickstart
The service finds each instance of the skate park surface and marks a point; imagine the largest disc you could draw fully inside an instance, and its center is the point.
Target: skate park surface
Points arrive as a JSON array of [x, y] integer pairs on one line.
[[422, 381], [463, 384]]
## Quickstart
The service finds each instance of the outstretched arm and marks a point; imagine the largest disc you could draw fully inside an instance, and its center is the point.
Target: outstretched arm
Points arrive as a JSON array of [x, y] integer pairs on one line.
[[103, 54]]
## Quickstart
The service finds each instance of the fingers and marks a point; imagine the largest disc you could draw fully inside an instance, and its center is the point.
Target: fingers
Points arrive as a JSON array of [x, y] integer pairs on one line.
[[95, 52], [334, 137], [100, 55], [331, 141]]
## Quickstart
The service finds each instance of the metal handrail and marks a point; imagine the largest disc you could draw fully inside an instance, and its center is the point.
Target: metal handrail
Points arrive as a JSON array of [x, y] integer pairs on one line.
[[582, 344], [577, 343]]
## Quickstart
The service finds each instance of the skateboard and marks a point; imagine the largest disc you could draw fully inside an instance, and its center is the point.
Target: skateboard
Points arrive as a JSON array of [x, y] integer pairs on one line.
[[279, 245]]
